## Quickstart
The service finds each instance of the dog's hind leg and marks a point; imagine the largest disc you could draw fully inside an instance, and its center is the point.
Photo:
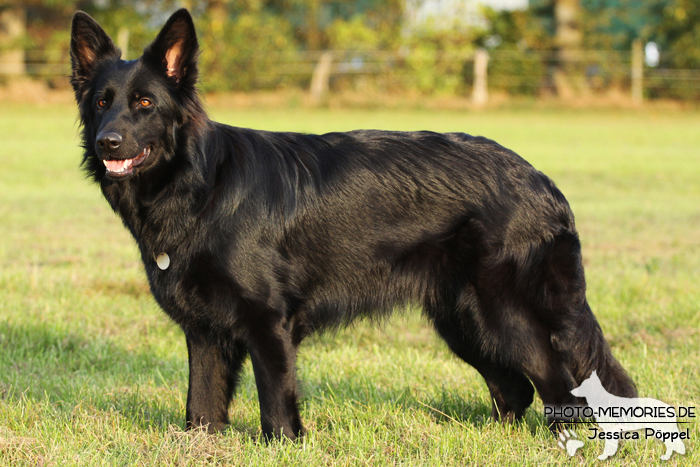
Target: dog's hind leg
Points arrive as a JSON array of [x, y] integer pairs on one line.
[[551, 376], [574, 333], [214, 372], [511, 392], [563, 339], [519, 298]]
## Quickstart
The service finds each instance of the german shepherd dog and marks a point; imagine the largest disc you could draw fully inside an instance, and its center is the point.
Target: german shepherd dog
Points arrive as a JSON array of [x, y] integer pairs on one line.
[[252, 240]]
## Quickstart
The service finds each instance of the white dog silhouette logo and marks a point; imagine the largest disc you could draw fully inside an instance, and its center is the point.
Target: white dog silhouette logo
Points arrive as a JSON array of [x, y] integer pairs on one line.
[[617, 415]]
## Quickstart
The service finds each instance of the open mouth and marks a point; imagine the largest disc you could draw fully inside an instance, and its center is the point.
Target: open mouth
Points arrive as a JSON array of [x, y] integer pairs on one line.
[[122, 167]]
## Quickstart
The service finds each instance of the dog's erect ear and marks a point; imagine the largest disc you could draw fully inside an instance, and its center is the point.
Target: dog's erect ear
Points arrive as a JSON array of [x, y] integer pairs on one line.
[[89, 44], [176, 48]]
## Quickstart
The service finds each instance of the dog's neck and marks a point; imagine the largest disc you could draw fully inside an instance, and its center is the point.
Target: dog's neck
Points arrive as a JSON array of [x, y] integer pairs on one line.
[[153, 211]]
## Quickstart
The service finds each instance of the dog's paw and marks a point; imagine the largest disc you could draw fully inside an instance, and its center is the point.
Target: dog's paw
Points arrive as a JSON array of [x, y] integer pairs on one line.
[[568, 442]]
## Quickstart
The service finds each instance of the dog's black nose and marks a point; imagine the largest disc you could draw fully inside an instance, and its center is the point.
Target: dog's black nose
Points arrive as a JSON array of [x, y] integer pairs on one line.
[[109, 141]]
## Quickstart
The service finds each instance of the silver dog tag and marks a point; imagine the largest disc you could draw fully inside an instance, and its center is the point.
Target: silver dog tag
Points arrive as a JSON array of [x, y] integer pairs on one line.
[[163, 261]]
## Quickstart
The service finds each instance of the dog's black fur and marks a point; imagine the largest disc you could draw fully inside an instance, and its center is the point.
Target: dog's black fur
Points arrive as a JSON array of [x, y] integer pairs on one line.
[[273, 236]]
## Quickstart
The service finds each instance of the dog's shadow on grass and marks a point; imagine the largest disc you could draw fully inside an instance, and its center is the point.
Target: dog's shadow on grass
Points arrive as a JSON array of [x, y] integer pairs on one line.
[[446, 406], [69, 374]]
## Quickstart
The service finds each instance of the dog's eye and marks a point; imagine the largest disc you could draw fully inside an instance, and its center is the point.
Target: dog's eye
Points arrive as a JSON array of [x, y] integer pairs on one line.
[[102, 103], [145, 102]]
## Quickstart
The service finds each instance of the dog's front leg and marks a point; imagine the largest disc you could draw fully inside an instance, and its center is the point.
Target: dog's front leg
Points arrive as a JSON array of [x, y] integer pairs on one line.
[[273, 356], [214, 371]]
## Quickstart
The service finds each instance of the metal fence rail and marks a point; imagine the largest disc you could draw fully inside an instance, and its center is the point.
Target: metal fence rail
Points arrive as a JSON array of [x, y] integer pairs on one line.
[[514, 71]]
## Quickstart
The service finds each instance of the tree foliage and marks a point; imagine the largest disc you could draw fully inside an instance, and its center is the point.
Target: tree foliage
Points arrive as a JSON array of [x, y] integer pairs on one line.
[[515, 39], [678, 31], [245, 52], [245, 42]]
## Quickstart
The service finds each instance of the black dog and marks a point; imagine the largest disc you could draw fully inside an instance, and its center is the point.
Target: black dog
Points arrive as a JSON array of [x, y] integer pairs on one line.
[[252, 240]]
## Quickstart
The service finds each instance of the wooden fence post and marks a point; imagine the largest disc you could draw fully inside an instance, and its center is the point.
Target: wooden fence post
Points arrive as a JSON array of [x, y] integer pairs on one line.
[[637, 72], [12, 27], [123, 42], [480, 92], [321, 76]]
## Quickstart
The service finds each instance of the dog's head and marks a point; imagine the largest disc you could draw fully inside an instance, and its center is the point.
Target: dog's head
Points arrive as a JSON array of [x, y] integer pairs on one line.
[[132, 112]]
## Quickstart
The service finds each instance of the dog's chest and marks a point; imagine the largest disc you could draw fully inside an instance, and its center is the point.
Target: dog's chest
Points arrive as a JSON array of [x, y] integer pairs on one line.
[[189, 286]]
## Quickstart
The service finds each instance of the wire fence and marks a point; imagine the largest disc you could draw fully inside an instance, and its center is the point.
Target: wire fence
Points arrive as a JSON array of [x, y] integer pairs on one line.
[[531, 72]]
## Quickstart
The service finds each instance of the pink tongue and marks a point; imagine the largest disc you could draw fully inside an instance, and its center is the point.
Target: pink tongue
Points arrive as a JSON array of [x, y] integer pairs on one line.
[[118, 165]]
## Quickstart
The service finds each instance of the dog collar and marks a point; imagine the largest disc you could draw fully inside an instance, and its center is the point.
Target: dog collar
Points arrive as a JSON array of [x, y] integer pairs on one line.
[[163, 261]]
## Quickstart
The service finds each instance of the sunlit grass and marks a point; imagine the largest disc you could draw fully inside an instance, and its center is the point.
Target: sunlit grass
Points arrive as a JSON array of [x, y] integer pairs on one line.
[[92, 373]]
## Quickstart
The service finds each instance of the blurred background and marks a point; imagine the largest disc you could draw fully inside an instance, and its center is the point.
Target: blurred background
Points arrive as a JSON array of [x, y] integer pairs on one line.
[[477, 50], [601, 95]]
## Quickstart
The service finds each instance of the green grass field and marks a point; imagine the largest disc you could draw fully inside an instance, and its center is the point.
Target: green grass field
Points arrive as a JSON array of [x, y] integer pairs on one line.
[[93, 373]]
